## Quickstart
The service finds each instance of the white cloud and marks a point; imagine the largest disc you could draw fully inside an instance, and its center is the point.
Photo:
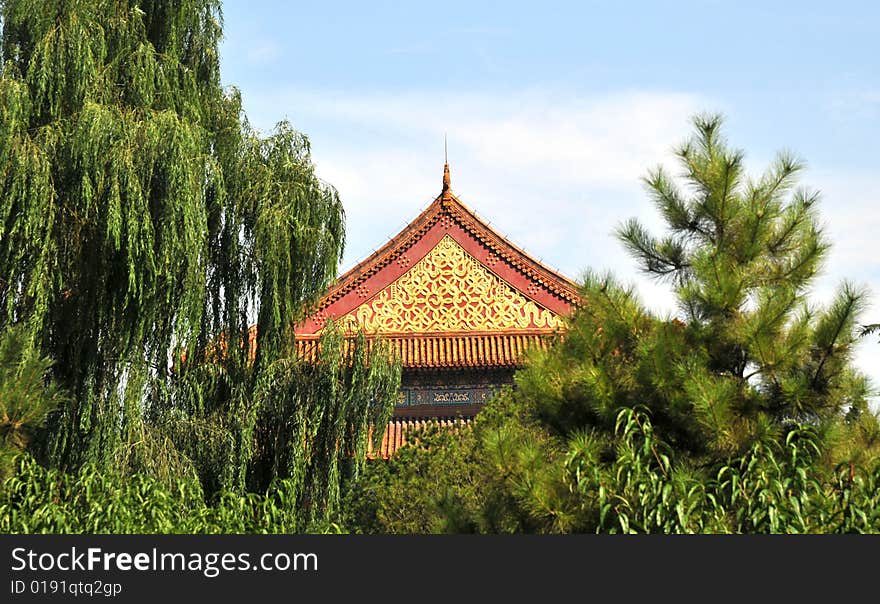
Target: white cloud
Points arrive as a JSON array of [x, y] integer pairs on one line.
[[854, 104], [545, 169], [264, 53], [851, 208]]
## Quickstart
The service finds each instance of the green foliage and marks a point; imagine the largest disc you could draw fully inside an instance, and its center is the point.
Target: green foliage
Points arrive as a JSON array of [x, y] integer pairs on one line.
[[391, 494], [741, 414], [510, 478], [321, 412], [95, 500], [26, 395], [775, 487]]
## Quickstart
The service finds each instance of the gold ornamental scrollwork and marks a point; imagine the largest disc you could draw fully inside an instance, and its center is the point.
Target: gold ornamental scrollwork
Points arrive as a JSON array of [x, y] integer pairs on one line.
[[449, 290]]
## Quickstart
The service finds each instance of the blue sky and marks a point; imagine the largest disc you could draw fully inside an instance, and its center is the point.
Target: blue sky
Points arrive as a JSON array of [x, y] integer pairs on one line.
[[553, 112]]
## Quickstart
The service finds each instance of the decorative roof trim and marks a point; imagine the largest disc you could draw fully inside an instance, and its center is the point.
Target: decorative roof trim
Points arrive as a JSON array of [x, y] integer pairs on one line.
[[448, 204], [450, 351]]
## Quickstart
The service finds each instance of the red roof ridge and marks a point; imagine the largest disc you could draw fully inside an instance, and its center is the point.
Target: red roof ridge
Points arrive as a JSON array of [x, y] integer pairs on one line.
[[450, 204]]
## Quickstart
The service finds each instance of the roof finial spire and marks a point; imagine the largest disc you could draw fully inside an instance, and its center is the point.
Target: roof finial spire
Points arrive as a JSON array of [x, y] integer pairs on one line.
[[445, 168]]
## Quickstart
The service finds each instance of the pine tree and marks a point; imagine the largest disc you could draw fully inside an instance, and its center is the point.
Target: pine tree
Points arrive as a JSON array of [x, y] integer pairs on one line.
[[143, 221], [741, 412], [742, 255], [747, 353], [27, 397]]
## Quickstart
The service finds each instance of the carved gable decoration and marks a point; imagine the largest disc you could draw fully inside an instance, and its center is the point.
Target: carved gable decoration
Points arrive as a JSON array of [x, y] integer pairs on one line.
[[448, 290]]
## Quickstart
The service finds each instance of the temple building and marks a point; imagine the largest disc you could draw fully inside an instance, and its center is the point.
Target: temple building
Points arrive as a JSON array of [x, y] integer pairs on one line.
[[458, 302]]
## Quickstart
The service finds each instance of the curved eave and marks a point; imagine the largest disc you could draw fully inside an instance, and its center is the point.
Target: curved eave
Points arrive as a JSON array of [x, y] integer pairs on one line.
[[450, 351]]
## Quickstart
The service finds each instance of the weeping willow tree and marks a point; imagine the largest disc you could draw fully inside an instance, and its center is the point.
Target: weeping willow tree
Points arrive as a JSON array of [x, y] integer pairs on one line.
[[145, 226]]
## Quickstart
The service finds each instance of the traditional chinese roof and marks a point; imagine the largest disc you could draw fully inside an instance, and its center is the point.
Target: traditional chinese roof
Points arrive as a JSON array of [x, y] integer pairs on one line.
[[448, 291]]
